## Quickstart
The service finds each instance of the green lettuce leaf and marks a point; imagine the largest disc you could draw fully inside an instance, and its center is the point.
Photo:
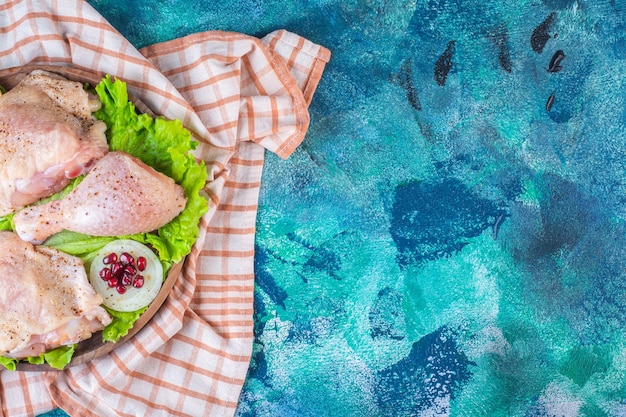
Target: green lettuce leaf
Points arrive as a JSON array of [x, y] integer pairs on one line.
[[6, 223], [8, 363], [57, 358], [163, 144], [77, 244], [121, 324]]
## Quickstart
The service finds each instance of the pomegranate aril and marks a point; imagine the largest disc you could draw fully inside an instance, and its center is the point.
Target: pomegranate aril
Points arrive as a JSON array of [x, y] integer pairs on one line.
[[127, 259], [141, 263], [121, 289], [105, 274], [117, 269], [111, 258], [138, 281], [126, 280], [112, 282], [130, 270]]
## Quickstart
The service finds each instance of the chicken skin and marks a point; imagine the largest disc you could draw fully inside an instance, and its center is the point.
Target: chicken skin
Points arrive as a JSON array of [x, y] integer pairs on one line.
[[47, 137], [120, 195], [46, 299]]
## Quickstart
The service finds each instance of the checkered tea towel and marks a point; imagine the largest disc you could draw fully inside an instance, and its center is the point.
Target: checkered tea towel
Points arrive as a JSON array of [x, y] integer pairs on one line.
[[240, 96]]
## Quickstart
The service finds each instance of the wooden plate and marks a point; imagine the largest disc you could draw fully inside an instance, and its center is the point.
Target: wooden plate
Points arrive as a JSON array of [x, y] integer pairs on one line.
[[93, 347]]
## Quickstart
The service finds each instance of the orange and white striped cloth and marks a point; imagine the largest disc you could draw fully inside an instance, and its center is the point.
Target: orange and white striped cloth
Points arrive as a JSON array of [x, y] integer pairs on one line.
[[240, 96]]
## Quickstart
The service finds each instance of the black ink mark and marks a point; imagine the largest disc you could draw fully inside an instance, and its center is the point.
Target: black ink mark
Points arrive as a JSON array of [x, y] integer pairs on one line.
[[405, 77], [555, 62], [550, 101], [444, 64], [504, 56], [540, 35], [500, 38]]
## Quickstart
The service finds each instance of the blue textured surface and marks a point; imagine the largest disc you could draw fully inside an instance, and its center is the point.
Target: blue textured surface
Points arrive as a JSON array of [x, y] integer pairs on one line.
[[441, 244]]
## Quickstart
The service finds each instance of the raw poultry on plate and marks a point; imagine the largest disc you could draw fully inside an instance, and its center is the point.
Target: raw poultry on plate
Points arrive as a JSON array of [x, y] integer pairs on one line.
[[46, 299], [48, 136], [120, 195]]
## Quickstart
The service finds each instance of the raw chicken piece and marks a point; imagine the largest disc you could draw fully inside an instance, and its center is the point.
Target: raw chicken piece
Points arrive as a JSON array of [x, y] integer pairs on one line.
[[46, 299], [47, 137], [120, 195]]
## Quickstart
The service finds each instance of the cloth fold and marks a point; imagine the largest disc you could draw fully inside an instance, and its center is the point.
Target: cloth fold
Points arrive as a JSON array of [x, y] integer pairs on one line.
[[240, 96]]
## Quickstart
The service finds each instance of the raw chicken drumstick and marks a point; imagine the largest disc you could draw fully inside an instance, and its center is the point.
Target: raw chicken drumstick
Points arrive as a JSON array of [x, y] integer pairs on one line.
[[120, 195]]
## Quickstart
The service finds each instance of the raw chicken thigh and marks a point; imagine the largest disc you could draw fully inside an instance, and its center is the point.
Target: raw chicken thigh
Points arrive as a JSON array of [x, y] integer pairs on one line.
[[46, 299], [120, 195], [47, 137]]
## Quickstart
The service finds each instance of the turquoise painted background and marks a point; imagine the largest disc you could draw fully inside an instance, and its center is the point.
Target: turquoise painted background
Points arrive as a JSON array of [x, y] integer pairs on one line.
[[441, 244]]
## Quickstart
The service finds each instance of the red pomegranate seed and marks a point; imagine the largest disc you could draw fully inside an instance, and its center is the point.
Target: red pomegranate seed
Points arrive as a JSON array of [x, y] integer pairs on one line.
[[138, 281], [117, 269], [112, 282], [105, 274], [141, 263], [130, 270], [121, 289], [111, 258], [127, 259], [126, 279]]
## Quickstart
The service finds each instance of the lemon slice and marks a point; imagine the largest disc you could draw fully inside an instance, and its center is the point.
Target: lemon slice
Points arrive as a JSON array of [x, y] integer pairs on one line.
[[127, 274]]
